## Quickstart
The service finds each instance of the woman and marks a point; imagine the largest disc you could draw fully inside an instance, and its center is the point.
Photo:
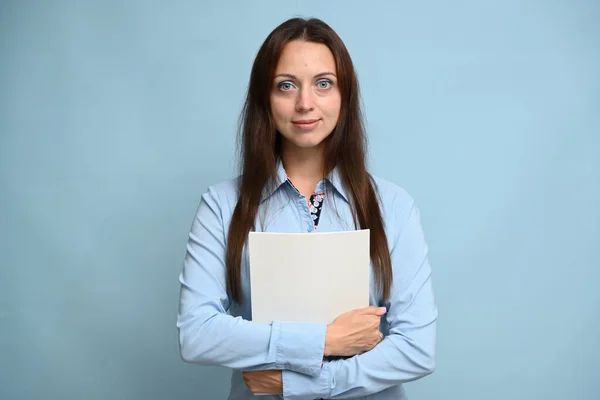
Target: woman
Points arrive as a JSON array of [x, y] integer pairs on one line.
[[303, 169]]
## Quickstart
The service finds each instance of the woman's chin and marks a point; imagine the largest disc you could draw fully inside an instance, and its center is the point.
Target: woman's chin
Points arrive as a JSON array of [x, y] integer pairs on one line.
[[305, 141]]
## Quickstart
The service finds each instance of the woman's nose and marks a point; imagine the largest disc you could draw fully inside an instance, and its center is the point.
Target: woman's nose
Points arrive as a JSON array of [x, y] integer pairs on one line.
[[305, 101]]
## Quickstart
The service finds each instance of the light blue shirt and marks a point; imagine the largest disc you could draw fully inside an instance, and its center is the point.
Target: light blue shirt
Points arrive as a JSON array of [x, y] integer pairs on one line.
[[215, 331]]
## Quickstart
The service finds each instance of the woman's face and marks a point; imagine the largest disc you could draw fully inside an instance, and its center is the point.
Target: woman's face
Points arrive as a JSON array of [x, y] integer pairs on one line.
[[305, 97]]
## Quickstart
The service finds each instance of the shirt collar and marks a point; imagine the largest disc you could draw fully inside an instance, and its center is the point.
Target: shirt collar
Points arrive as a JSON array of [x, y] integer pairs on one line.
[[336, 181], [333, 178]]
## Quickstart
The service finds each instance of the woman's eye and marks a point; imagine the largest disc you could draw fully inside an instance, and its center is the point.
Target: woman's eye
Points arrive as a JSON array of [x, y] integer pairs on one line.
[[324, 84], [285, 86]]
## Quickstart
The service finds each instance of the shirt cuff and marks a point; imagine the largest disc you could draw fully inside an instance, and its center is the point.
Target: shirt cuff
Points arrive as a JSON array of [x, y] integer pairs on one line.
[[300, 346], [303, 387]]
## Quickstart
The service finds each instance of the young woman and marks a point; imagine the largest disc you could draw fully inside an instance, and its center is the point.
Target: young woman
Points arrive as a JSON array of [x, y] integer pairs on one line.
[[303, 170]]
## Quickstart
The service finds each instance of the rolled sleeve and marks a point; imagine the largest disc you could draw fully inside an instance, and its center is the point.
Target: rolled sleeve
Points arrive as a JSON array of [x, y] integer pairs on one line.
[[303, 387], [301, 346]]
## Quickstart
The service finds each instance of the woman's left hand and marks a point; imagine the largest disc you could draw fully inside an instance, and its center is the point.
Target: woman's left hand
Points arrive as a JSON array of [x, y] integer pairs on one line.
[[264, 382]]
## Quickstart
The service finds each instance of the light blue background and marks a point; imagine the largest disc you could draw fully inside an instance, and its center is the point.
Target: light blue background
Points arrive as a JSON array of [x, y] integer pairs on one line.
[[115, 118]]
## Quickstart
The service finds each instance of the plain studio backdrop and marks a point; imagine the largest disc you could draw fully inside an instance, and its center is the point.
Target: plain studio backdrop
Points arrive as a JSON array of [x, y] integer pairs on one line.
[[116, 116]]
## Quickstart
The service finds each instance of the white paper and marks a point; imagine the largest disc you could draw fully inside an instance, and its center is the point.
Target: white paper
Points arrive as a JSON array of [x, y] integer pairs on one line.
[[310, 277]]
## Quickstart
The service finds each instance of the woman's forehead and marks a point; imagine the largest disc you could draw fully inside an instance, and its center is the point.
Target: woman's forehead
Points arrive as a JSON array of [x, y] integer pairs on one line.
[[301, 58]]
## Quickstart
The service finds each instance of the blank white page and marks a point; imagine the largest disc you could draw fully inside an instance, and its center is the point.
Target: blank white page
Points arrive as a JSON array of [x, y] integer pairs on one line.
[[311, 277]]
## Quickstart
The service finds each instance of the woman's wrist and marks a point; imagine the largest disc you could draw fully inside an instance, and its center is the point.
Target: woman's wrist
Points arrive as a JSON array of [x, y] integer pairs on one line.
[[330, 341]]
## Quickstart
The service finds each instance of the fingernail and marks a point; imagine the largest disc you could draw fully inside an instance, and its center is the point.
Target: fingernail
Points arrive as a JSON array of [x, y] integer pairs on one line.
[[383, 309]]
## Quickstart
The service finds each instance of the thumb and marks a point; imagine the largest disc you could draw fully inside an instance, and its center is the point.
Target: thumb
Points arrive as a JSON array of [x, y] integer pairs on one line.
[[381, 310], [375, 310]]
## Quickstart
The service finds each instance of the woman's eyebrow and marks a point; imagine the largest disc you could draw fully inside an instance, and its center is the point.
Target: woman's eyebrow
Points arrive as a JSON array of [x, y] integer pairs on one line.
[[295, 77]]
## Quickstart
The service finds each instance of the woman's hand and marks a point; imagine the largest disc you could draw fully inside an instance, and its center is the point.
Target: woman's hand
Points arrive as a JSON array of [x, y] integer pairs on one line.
[[354, 332], [264, 382]]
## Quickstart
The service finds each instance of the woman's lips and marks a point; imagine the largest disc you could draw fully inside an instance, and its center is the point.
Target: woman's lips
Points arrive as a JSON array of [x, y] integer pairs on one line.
[[306, 123]]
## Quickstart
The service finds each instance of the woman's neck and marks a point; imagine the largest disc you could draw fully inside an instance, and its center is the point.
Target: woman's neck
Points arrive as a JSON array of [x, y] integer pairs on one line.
[[304, 167]]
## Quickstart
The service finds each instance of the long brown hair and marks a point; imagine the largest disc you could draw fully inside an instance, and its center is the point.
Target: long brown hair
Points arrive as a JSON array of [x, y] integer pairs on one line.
[[345, 149]]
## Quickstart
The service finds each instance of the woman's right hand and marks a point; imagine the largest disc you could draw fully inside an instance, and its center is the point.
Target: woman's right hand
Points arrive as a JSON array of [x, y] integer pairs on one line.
[[354, 332]]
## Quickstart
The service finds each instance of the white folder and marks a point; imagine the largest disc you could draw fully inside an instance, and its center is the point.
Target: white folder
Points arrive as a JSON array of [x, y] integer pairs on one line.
[[309, 277]]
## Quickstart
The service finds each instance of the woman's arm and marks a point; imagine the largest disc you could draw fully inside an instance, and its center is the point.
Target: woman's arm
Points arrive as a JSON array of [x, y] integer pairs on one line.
[[408, 352], [209, 336]]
